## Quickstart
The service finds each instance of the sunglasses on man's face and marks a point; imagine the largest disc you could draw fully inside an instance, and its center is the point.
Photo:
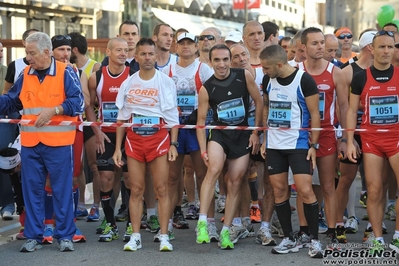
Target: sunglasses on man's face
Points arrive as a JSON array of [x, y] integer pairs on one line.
[[209, 37], [60, 38], [397, 45], [343, 36]]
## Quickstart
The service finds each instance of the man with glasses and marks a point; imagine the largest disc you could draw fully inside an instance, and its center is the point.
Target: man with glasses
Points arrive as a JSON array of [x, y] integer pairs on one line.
[[345, 37], [377, 90], [349, 169], [206, 40], [46, 150]]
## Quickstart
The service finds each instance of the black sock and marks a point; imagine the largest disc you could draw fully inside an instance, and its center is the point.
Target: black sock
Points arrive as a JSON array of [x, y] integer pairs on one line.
[[177, 210], [253, 187], [283, 210], [107, 208], [312, 217], [331, 232]]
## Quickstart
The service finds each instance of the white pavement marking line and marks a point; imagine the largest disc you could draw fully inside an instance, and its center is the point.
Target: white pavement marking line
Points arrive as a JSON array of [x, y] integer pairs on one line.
[[9, 227], [7, 239]]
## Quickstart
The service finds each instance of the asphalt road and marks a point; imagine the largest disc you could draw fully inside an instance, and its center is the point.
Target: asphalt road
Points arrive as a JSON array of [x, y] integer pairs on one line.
[[186, 251]]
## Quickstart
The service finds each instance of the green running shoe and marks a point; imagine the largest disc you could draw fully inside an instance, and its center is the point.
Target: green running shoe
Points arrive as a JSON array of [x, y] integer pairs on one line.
[[202, 232], [224, 240]]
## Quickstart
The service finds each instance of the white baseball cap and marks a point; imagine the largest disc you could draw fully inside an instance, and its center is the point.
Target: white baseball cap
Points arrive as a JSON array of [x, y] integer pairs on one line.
[[366, 38], [186, 35], [233, 36]]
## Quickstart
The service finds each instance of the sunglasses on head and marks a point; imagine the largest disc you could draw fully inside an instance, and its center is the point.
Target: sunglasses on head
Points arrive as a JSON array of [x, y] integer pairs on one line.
[[384, 32], [60, 38], [209, 37], [343, 36]]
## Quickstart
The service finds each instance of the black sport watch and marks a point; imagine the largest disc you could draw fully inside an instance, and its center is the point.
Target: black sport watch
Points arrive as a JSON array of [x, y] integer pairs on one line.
[[316, 146], [174, 143]]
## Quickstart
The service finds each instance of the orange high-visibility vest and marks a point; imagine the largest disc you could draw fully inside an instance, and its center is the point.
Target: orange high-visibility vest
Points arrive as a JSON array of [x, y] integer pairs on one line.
[[35, 96]]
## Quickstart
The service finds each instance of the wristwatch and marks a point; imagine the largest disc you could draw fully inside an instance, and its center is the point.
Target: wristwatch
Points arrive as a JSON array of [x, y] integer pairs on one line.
[[174, 143], [315, 146], [57, 111], [257, 132]]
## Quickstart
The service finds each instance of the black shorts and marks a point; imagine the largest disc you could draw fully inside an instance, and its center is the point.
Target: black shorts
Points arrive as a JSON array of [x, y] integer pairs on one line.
[[278, 161], [87, 133], [233, 142], [105, 161], [257, 157], [360, 158]]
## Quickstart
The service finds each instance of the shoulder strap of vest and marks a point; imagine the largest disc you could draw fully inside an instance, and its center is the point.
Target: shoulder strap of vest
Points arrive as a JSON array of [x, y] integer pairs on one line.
[[198, 82]]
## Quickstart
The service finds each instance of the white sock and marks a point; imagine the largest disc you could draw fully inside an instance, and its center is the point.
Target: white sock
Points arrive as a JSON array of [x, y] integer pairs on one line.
[[265, 225], [202, 217], [237, 221], [225, 227], [396, 235]]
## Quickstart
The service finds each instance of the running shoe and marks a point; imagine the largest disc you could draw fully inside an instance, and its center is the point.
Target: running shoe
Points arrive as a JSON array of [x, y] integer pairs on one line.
[[192, 213], [255, 214], [101, 228], [78, 237], [315, 249], [249, 226], [122, 214], [48, 235], [171, 236], [81, 213], [368, 242], [341, 234], [286, 246], [384, 229], [302, 240], [30, 245], [237, 232], [391, 213], [110, 233], [66, 245], [153, 224], [225, 241], [367, 232], [395, 245], [202, 232], [221, 204], [128, 233], [365, 217], [94, 215], [322, 225], [133, 244], [213, 232], [294, 193], [179, 222], [20, 235], [351, 225], [363, 199], [376, 249], [333, 243], [264, 237], [164, 243]]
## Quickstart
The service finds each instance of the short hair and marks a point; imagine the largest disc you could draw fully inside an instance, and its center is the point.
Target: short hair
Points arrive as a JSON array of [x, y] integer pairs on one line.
[[270, 28], [286, 38], [42, 41], [297, 36], [145, 41], [129, 22], [391, 24], [115, 39], [304, 37], [244, 28], [157, 28], [275, 53], [27, 33], [178, 31], [79, 41], [243, 46], [219, 46], [215, 30]]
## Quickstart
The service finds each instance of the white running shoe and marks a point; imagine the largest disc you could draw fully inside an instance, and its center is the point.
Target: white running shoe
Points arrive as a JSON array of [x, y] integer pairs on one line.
[[134, 243]]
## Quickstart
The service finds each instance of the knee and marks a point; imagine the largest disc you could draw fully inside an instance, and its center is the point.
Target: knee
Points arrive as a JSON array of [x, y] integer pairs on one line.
[[161, 190], [136, 191], [306, 193]]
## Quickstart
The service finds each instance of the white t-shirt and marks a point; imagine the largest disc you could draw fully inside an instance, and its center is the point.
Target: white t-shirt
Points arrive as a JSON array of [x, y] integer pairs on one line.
[[151, 98]]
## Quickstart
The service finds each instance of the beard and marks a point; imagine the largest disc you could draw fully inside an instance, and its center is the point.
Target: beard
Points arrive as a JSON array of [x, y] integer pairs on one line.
[[73, 58], [163, 49]]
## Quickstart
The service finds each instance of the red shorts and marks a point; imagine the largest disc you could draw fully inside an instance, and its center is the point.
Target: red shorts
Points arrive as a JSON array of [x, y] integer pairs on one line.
[[77, 153], [327, 142], [146, 149], [383, 145]]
